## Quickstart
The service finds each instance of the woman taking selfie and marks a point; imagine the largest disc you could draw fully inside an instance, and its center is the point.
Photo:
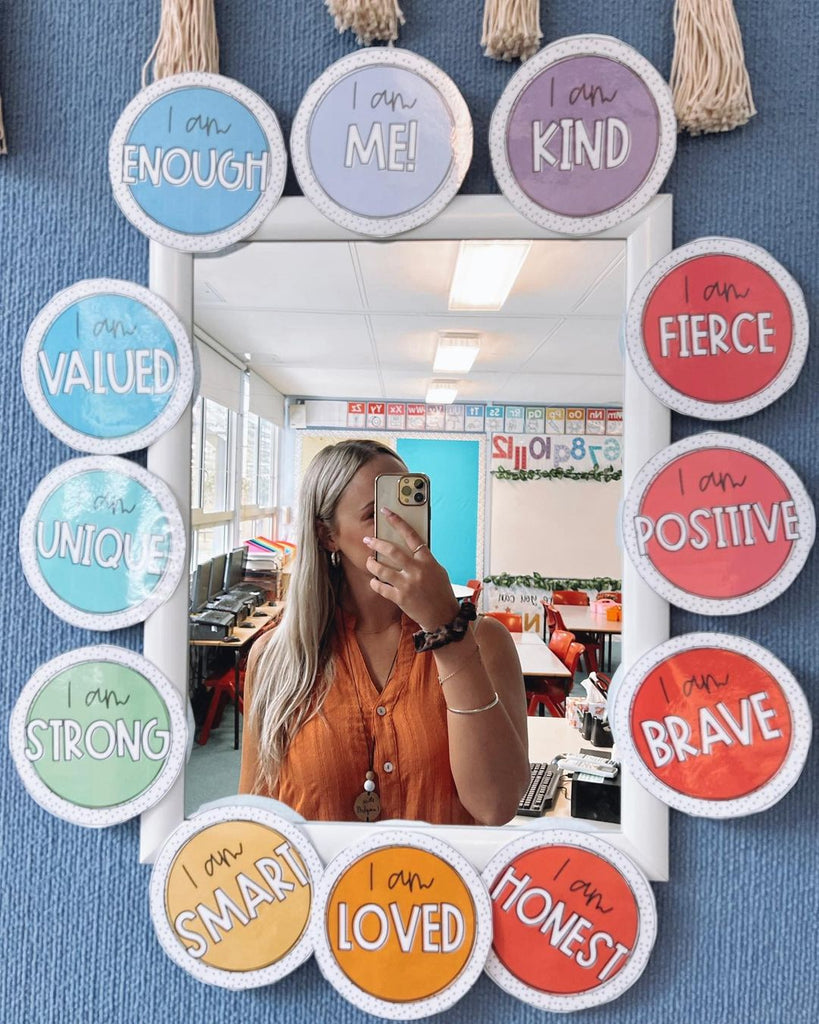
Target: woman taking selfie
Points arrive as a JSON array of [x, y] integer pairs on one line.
[[376, 697]]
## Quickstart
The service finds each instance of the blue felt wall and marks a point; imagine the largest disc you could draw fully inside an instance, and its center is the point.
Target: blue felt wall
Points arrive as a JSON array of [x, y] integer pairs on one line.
[[737, 940]]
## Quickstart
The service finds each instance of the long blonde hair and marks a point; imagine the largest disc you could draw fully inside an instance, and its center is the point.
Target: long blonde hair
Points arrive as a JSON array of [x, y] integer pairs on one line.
[[285, 690]]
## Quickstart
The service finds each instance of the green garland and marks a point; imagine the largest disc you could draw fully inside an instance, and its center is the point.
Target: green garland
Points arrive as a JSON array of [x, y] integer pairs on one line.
[[535, 580], [600, 474]]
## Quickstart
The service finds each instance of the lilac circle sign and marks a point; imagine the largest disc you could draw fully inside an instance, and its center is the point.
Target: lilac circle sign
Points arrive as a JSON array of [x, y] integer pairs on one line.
[[583, 135], [381, 141]]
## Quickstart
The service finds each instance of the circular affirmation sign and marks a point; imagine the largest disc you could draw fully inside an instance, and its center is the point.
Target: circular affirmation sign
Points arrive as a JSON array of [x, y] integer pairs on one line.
[[197, 161], [406, 925], [583, 135], [107, 366], [718, 329], [232, 891], [713, 725], [98, 735], [102, 542], [573, 920], [381, 141], [718, 524]]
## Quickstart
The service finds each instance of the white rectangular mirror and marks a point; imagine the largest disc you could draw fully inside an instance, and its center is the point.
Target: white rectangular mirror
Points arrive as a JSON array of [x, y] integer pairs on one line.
[[554, 343]]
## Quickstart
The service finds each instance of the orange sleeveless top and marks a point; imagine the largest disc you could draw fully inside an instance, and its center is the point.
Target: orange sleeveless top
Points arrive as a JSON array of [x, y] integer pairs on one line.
[[403, 726]]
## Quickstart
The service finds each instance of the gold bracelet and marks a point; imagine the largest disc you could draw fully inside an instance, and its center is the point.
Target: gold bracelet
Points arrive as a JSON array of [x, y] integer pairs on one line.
[[443, 679], [475, 711]]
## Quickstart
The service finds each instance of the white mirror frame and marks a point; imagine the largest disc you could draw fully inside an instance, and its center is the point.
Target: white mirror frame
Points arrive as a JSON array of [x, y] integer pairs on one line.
[[643, 833]]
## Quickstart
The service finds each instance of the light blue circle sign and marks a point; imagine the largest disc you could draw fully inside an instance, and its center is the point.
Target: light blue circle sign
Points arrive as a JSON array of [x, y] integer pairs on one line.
[[102, 542], [107, 366], [381, 141], [197, 161]]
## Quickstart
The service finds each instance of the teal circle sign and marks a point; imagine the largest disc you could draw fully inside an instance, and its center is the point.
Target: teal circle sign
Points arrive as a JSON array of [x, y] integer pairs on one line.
[[197, 161], [107, 366], [98, 735], [102, 542]]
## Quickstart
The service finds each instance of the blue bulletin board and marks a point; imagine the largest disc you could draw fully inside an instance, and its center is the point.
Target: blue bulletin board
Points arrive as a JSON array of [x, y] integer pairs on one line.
[[453, 468]]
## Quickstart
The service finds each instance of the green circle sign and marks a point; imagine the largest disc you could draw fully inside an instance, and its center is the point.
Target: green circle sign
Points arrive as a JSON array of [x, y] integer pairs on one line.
[[98, 735]]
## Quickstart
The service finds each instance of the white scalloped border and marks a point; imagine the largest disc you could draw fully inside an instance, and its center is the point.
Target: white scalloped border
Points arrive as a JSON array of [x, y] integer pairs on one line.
[[460, 141], [301, 950], [583, 46], [43, 410], [646, 930], [215, 240], [441, 1001], [98, 817], [758, 800], [678, 400], [675, 595], [174, 567]]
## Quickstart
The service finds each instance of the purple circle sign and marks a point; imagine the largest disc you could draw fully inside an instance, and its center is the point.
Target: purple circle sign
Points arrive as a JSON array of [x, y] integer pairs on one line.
[[583, 135]]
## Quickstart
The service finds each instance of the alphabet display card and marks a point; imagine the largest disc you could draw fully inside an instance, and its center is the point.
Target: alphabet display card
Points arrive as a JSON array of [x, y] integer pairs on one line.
[[197, 161], [98, 735], [718, 524], [102, 542], [583, 135], [107, 366], [405, 925], [574, 920], [717, 329], [381, 141], [713, 725], [232, 894]]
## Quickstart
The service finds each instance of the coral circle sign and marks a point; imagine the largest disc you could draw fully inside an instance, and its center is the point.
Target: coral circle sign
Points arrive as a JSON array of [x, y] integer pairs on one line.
[[573, 920], [583, 135], [107, 366], [232, 893], [381, 141], [406, 925], [717, 329], [197, 161], [713, 725], [98, 735], [718, 524]]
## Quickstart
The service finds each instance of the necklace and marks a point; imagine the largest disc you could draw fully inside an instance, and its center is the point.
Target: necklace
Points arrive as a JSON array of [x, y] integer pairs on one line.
[[367, 805]]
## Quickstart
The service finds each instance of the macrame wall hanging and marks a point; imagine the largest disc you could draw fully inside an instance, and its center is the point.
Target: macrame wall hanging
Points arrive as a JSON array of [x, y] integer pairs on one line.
[[187, 40], [368, 19], [511, 29], [709, 80]]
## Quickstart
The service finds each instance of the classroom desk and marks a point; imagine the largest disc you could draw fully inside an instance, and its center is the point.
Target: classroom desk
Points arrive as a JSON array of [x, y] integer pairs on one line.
[[246, 635], [580, 618], [536, 659], [461, 591]]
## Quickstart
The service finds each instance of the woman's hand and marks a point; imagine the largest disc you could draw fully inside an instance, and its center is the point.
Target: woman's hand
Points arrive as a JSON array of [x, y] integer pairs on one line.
[[418, 584]]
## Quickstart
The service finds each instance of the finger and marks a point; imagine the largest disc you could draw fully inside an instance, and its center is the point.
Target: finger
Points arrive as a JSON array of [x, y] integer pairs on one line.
[[384, 589], [411, 538], [394, 553], [384, 572]]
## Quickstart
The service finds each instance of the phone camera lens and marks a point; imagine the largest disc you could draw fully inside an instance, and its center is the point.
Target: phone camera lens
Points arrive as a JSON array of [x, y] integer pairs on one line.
[[419, 497], [419, 483], [406, 491]]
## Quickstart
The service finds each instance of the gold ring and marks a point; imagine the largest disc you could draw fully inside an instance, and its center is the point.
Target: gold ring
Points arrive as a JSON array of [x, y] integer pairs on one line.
[[415, 552]]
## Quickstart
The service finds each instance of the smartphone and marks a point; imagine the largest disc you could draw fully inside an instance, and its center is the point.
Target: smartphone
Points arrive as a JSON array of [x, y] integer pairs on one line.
[[408, 495]]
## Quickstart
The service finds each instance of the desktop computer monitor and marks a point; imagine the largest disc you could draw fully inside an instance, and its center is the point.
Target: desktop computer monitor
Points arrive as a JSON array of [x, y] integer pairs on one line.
[[235, 567], [217, 576], [200, 587]]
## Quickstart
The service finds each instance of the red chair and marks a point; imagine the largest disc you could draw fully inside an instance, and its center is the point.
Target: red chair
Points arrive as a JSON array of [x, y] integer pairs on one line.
[[610, 595], [559, 643], [552, 619], [552, 697], [512, 621], [477, 587], [223, 691], [570, 597]]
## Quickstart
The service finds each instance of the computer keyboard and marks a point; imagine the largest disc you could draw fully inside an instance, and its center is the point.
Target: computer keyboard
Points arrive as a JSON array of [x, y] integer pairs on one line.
[[542, 792]]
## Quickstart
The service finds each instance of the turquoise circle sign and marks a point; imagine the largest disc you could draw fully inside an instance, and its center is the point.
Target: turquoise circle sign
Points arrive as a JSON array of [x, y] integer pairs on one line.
[[98, 735], [102, 542], [107, 366], [197, 161]]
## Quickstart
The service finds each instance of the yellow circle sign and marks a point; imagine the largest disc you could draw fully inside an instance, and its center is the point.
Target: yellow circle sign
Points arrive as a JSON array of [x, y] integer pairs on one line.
[[405, 925], [232, 894]]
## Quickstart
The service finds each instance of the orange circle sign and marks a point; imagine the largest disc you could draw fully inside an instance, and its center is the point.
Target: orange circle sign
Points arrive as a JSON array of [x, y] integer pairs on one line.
[[573, 920], [712, 724], [232, 894], [403, 925]]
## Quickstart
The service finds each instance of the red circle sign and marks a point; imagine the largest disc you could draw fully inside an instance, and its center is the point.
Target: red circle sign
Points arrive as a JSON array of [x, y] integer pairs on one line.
[[713, 725], [718, 523], [571, 920], [718, 329]]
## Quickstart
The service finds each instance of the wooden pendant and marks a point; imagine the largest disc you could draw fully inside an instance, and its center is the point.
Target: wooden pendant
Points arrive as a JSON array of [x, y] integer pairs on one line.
[[367, 806]]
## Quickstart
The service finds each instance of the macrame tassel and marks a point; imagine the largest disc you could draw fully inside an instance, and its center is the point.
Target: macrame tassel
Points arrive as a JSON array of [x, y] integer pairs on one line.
[[3, 146], [187, 40], [511, 29], [709, 80], [369, 19]]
